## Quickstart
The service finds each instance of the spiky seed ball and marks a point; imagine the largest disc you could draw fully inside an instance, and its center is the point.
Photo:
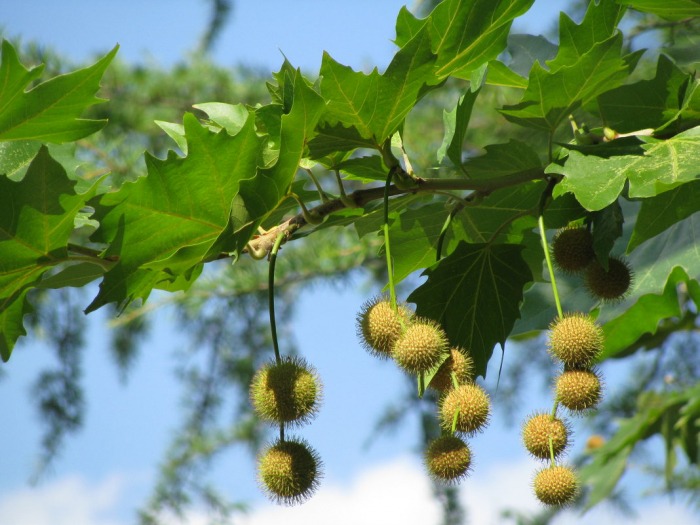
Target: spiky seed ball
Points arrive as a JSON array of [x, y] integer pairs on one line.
[[460, 363], [448, 459], [611, 284], [286, 392], [421, 346], [556, 486], [572, 249], [379, 325], [472, 406], [289, 471], [537, 432], [578, 389], [594, 442], [576, 340]]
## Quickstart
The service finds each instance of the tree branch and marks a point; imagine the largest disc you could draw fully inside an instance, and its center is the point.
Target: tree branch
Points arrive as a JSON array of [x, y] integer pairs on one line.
[[264, 242]]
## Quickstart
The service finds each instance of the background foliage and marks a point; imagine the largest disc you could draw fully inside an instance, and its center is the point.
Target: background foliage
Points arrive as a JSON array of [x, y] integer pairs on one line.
[[475, 126]]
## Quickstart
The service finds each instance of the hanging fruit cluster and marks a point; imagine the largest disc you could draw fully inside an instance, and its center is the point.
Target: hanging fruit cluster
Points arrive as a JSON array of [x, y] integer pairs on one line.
[[287, 393], [420, 346], [575, 342]]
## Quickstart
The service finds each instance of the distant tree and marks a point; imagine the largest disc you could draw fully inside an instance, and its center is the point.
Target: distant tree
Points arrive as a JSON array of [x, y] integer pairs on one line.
[[476, 155]]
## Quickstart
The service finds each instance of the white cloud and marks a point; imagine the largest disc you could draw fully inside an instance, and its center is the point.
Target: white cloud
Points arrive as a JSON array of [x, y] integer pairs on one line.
[[660, 511], [68, 501], [393, 493]]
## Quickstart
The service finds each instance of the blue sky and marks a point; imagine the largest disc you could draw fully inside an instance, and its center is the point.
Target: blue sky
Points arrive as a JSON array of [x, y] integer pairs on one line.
[[106, 471]]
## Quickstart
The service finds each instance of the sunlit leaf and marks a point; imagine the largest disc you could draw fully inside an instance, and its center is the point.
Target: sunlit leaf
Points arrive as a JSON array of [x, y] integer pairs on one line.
[[36, 220], [51, 110]]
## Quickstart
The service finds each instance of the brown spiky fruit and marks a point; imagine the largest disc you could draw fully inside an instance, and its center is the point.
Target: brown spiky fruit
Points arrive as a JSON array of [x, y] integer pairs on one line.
[[458, 363], [572, 249], [448, 459], [421, 346], [289, 471], [286, 392], [578, 389], [576, 340], [379, 325], [556, 486], [611, 284], [539, 430], [470, 404]]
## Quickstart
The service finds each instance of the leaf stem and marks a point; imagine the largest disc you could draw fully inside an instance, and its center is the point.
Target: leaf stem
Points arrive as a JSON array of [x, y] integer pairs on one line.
[[550, 268], [319, 188], [271, 296]]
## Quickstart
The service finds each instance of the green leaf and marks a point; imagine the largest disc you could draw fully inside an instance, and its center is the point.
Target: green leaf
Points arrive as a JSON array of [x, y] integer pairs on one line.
[[659, 265], [662, 98], [597, 182], [552, 95], [36, 220], [503, 159], [475, 294], [468, 33], [376, 105], [50, 111], [663, 211], [175, 132], [669, 9], [603, 473], [414, 236], [525, 50], [169, 219], [263, 193], [609, 461], [231, 117], [365, 169], [642, 318], [75, 275], [500, 75], [456, 123], [598, 25], [330, 139], [607, 228]]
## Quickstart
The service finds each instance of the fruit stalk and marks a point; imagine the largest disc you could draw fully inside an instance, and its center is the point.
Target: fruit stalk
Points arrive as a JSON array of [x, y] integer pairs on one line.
[[550, 268], [387, 247], [271, 295]]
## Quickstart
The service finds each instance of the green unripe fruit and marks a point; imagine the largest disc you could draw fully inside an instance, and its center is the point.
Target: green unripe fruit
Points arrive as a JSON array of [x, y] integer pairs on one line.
[[289, 471], [379, 325], [572, 249], [556, 486], [421, 346], [286, 392], [448, 459], [539, 430], [578, 389], [458, 363], [470, 404], [576, 340], [611, 284]]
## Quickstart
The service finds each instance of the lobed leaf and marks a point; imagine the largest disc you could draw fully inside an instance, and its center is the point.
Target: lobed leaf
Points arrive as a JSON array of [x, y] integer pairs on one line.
[[669, 9], [36, 221], [596, 182], [671, 96], [168, 220], [552, 95], [475, 293], [50, 111], [375, 105]]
